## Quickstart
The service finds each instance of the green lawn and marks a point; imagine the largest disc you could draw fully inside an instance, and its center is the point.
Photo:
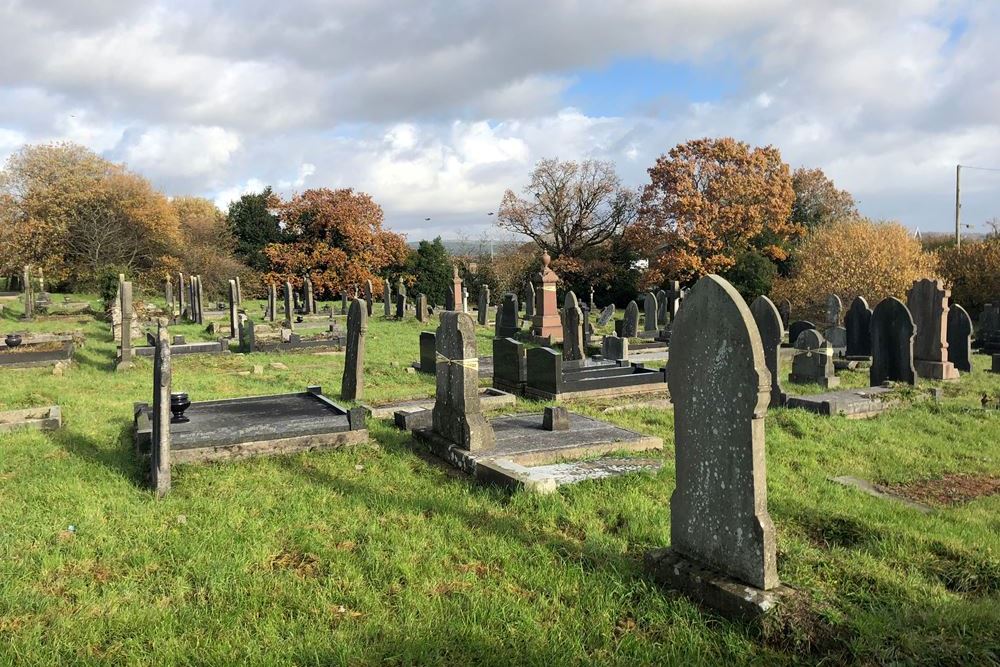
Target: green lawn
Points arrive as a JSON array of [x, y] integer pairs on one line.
[[379, 554]]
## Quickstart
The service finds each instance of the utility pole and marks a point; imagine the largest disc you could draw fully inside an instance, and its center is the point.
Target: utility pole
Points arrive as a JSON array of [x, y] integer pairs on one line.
[[958, 205]]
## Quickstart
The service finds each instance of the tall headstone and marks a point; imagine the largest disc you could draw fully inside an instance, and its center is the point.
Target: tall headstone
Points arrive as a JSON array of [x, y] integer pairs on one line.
[[239, 293], [344, 301], [507, 323], [662, 318], [785, 310], [182, 311], [630, 323], [310, 300], [421, 304], [834, 307], [928, 305], [465, 300], [651, 311], [248, 334], [892, 331], [289, 322], [545, 321], [813, 360], [400, 305], [159, 453], [960, 338], [674, 297], [125, 352], [233, 310], [168, 295], [455, 291], [199, 294], [768, 321], [369, 298], [29, 298], [272, 302], [352, 386], [428, 352], [858, 323], [483, 306], [457, 415], [572, 324], [720, 387], [529, 300], [387, 298]]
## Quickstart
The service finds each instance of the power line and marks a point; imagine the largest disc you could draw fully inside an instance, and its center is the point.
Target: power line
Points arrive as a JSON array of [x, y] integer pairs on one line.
[[966, 166]]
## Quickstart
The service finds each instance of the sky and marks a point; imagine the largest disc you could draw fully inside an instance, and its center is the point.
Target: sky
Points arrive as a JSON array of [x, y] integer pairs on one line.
[[436, 108]]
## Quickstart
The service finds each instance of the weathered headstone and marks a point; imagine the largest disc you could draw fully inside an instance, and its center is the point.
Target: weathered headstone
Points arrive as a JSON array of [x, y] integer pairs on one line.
[[834, 307], [662, 318], [858, 323], [572, 324], [453, 299], [813, 360], [387, 297], [529, 300], [272, 302], [421, 305], [344, 301], [168, 295], [795, 329], [181, 305], [29, 297], [614, 348], [507, 324], [160, 442], [239, 292], [960, 338], [545, 322], [768, 321], [199, 295], [927, 302], [836, 337], [465, 300], [892, 332], [484, 305], [651, 311], [247, 334], [369, 298], [785, 310], [630, 323], [125, 351], [233, 310], [400, 305], [720, 386], [458, 416], [674, 297], [606, 315], [428, 352], [352, 386], [289, 320]]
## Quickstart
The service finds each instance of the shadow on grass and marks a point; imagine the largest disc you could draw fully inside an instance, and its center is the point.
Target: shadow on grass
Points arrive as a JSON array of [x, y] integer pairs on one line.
[[121, 460]]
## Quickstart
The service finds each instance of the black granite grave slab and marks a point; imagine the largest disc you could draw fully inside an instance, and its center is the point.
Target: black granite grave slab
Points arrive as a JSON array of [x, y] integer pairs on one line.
[[551, 378]]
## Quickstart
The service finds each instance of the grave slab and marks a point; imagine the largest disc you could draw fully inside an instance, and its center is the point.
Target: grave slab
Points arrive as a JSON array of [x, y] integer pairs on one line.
[[489, 398], [43, 419], [23, 356], [850, 403]]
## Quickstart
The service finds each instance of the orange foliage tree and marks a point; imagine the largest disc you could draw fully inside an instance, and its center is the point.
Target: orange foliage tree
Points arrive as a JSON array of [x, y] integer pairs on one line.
[[208, 246], [972, 270], [338, 241], [856, 257], [818, 201], [708, 202]]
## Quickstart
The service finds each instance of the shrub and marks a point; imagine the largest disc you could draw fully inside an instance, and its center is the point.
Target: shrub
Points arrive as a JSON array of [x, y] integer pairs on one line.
[[973, 273]]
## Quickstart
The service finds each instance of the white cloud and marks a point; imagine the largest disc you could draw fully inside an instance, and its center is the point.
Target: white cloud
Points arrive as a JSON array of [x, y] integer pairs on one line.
[[180, 151]]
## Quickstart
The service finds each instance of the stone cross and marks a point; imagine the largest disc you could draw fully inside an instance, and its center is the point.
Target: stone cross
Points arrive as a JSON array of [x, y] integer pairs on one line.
[[720, 387], [892, 333], [813, 360], [457, 415], [289, 322], [159, 453], [651, 311], [369, 298], [125, 351], [529, 300], [858, 326], [421, 304], [507, 323], [630, 323], [234, 311], [768, 321], [181, 306], [959, 338], [484, 305], [545, 322], [927, 302], [572, 325], [352, 386]]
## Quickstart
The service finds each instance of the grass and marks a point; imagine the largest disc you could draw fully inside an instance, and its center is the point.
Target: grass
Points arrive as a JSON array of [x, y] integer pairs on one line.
[[379, 554]]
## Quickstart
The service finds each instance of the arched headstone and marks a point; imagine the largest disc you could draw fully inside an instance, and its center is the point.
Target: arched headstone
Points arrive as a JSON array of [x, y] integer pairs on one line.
[[768, 322], [630, 323], [960, 338], [795, 330], [892, 343], [651, 311], [858, 323], [572, 324]]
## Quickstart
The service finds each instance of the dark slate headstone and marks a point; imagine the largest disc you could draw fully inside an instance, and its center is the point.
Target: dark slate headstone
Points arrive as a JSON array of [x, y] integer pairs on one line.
[[400, 305], [858, 323], [483, 305], [630, 323], [428, 352], [892, 331], [529, 300], [509, 364], [606, 314], [796, 328], [614, 348], [927, 302], [768, 322], [458, 416], [651, 312], [572, 323], [289, 320], [421, 305], [960, 338], [813, 360], [272, 302], [507, 324], [785, 310], [720, 387], [181, 305], [234, 324], [369, 297], [555, 418], [352, 386]]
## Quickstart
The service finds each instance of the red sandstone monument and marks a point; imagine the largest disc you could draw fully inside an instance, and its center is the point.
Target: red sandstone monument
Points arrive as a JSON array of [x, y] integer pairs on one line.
[[546, 322]]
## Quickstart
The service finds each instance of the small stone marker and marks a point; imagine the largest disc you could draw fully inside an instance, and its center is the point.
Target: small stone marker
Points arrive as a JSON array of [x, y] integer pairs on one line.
[[614, 348], [507, 323], [606, 315], [651, 311], [795, 329], [960, 338], [720, 531], [858, 325], [813, 360], [572, 325], [892, 332], [555, 418], [160, 450], [421, 305], [630, 323], [927, 302], [352, 385], [484, 305], [768, 321], [834, 307], [458, 416]]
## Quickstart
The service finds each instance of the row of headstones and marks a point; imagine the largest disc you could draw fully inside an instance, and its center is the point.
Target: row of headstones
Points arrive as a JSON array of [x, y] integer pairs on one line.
[[189, 304]]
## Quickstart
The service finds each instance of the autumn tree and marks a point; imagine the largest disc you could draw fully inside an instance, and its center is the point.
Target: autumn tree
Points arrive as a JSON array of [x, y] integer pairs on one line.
[[852, 258], [338, 241], [708, 202], [818, 201], [972, 271], [207, 246], [254, 225]]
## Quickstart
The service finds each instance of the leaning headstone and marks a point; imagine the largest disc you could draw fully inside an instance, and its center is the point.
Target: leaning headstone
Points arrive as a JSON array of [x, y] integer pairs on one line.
[[125, 352], [421, 305], [614, 348], [834, 307], [892, 331], [928, 305], [239, 292], [572, 324], [160, 443], [369, 298], [289, 320], [507, 323], [960, 338], [529, 300], [400, 305], [785, 310], [813, 360], [858, 325], [651, 311], [310, 297], [768, 321], [630, 323], [458, 416], [484, 305], [233, 309], [795, 329], [606, 315], [352, 385], [722, 539], [387, 297], [428, 352]]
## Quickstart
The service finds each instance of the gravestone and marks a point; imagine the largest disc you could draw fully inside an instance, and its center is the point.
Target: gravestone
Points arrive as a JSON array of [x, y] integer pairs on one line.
[[400, 305], [988, 331], [181, 305], [858, 323], [529, 300], [834, 307], [927, 302], [662, 319], [289, 320], [555, 418], [813, 360], [199, 294], [428, 352], [484, 305], [545, 322], [160, 450], [387, 297], [651, 312], [248, 336], [836, 337], [785, 310], [369, 298], [400, 287], [453, 299], [720, 386], [510, 365], [507, 323], [352, 386], [344, 301], [239, 293], [892, 332], [614, 348], [29, 297], [572, 324], [606, 315], [458, 416], [421, 304], [768, 321], [233, 310], [465, 300], [630, 323], [590, 302], [125, 351], [272, 302], [795, 329], [960, 338], [674, 295], [168, 295]]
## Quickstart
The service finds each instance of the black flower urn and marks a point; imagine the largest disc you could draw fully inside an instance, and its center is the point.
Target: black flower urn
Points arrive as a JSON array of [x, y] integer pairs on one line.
[[179, 402], [12, 340]]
